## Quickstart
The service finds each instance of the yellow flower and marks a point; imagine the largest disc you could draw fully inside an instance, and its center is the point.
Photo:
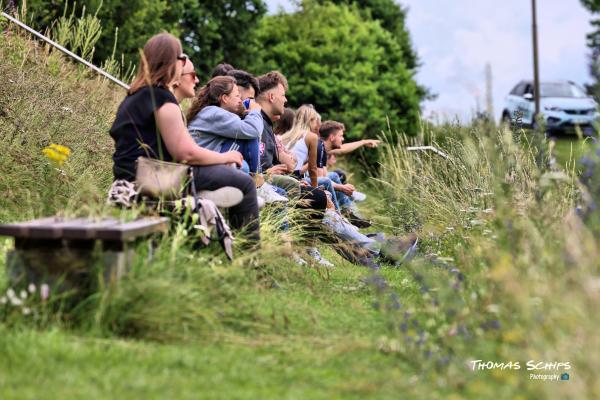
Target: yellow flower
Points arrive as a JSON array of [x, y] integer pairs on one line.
[[61, 149], [57, 153]]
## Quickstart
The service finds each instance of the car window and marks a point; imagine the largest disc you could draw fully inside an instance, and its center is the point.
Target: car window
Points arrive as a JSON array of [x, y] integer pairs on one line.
[[518, 90], [561, 89]]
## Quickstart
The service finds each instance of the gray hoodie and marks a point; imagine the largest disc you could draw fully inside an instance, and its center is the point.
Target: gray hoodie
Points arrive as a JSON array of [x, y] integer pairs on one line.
[[214, 125]]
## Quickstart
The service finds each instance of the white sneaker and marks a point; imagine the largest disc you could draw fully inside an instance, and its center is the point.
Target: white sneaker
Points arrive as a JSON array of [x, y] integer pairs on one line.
[[224, 197], [358, 196], [314, 253], [267, 192]]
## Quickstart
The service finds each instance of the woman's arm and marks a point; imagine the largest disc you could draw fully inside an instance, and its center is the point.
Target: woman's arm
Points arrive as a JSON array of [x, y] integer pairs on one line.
[[228, 125], [312, 142], [180, 144]]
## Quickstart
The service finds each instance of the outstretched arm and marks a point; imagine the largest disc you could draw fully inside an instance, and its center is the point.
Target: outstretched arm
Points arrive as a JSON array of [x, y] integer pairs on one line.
[[350, 147]]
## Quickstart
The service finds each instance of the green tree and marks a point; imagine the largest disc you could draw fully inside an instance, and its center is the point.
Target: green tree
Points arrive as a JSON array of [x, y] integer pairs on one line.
[[347, 65], [211, 31], [593, 42], [392, 17]]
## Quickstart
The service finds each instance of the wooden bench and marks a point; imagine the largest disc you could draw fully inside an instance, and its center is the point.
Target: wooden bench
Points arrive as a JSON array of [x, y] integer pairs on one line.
[[66, 252]]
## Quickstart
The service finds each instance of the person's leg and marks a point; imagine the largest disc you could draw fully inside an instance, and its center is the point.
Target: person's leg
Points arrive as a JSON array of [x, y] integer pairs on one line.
[[334, 176], [343, 199], [349, 232], [342, 175], [245, 214], [248, 148], [287, 183]]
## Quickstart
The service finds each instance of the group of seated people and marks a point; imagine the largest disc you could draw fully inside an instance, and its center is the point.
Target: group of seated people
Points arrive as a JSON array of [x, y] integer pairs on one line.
[[238, 133]]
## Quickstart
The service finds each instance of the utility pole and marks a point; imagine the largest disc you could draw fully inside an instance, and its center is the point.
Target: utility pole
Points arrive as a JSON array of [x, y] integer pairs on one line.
[[489, 101], [536, 75]]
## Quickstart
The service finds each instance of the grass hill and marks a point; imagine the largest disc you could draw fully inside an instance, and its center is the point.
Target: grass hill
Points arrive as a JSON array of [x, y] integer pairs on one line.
[[507, 273]]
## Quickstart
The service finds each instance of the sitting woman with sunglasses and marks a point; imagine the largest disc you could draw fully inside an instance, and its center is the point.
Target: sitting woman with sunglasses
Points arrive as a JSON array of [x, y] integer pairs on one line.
[[149, 123]]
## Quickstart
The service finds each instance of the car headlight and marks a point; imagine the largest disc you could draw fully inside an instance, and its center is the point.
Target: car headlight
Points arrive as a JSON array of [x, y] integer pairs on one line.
[[552, 108]]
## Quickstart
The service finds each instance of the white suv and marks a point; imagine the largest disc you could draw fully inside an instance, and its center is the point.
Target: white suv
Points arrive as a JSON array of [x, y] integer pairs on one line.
[[563, 104]]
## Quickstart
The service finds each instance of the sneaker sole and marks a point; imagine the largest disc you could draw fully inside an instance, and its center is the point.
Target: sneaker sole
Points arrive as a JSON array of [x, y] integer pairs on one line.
[[224, 197]]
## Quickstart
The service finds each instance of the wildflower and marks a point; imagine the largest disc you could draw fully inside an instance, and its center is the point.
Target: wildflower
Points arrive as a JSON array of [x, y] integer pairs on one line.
[[31, 288], [3, 300], [10, 293], [476, 222], [44, 291], [15, 301], [26, 311], [57, 153], [23, 294]]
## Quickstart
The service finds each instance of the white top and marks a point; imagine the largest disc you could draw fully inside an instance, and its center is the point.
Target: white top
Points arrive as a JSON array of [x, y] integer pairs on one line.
[[300, 151]]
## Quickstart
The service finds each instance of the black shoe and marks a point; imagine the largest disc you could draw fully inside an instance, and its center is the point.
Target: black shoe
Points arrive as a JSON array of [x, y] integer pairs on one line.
[[356, 219], [400, 249]]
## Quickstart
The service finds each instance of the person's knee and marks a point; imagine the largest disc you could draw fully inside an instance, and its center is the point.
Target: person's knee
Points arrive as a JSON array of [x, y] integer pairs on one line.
[[244, 182], [326, 182], [334, 177]]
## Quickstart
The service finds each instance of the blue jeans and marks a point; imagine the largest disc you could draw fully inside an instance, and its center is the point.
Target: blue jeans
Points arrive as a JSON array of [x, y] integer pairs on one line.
[[350, 233], [344, 200], [249, 150]]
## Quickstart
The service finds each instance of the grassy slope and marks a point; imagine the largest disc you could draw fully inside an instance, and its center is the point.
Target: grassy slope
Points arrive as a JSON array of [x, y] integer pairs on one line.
[[186, 326], [314, 337]]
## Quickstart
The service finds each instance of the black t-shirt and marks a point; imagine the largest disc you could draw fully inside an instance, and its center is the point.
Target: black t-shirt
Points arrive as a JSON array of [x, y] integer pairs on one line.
[[321, 155], [135, 132]]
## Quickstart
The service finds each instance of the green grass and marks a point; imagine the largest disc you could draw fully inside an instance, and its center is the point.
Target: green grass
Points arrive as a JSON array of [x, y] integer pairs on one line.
[[505, 271], [571, 148]]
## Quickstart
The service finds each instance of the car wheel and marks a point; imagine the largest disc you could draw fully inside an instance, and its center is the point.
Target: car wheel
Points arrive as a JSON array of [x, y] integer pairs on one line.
[[506, 121]]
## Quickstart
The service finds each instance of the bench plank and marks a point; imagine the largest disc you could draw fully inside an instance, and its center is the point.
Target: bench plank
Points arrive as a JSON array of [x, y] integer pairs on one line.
[[134, 229], [38, 228], [84, 229]]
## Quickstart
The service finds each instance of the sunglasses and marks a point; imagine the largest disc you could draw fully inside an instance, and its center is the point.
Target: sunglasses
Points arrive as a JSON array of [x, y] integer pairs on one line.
[[183, 58], [192, 73]]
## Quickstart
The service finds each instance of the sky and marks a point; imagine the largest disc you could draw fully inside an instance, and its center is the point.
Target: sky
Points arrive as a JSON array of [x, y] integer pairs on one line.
[[455, 39]]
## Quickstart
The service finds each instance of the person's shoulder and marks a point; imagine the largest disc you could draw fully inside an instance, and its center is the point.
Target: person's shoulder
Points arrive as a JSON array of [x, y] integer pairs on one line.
[[155, 94], [216, 112], [312, 137]]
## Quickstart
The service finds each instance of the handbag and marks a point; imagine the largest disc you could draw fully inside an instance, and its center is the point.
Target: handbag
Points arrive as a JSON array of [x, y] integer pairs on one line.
[[160, 179]]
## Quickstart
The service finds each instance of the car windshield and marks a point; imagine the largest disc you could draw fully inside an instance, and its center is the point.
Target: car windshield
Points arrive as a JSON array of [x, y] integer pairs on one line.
[[561, 89]]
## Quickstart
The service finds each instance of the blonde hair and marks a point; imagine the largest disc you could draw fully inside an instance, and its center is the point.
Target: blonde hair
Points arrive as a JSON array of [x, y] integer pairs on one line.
[[303, 118]]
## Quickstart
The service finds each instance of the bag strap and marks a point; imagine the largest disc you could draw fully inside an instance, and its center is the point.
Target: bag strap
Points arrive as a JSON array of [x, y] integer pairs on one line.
[[221, 233]]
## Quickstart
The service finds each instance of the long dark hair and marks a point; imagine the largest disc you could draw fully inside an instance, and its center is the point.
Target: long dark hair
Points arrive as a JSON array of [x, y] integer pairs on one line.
[[210, 94], [284, 123], [158, 62]]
